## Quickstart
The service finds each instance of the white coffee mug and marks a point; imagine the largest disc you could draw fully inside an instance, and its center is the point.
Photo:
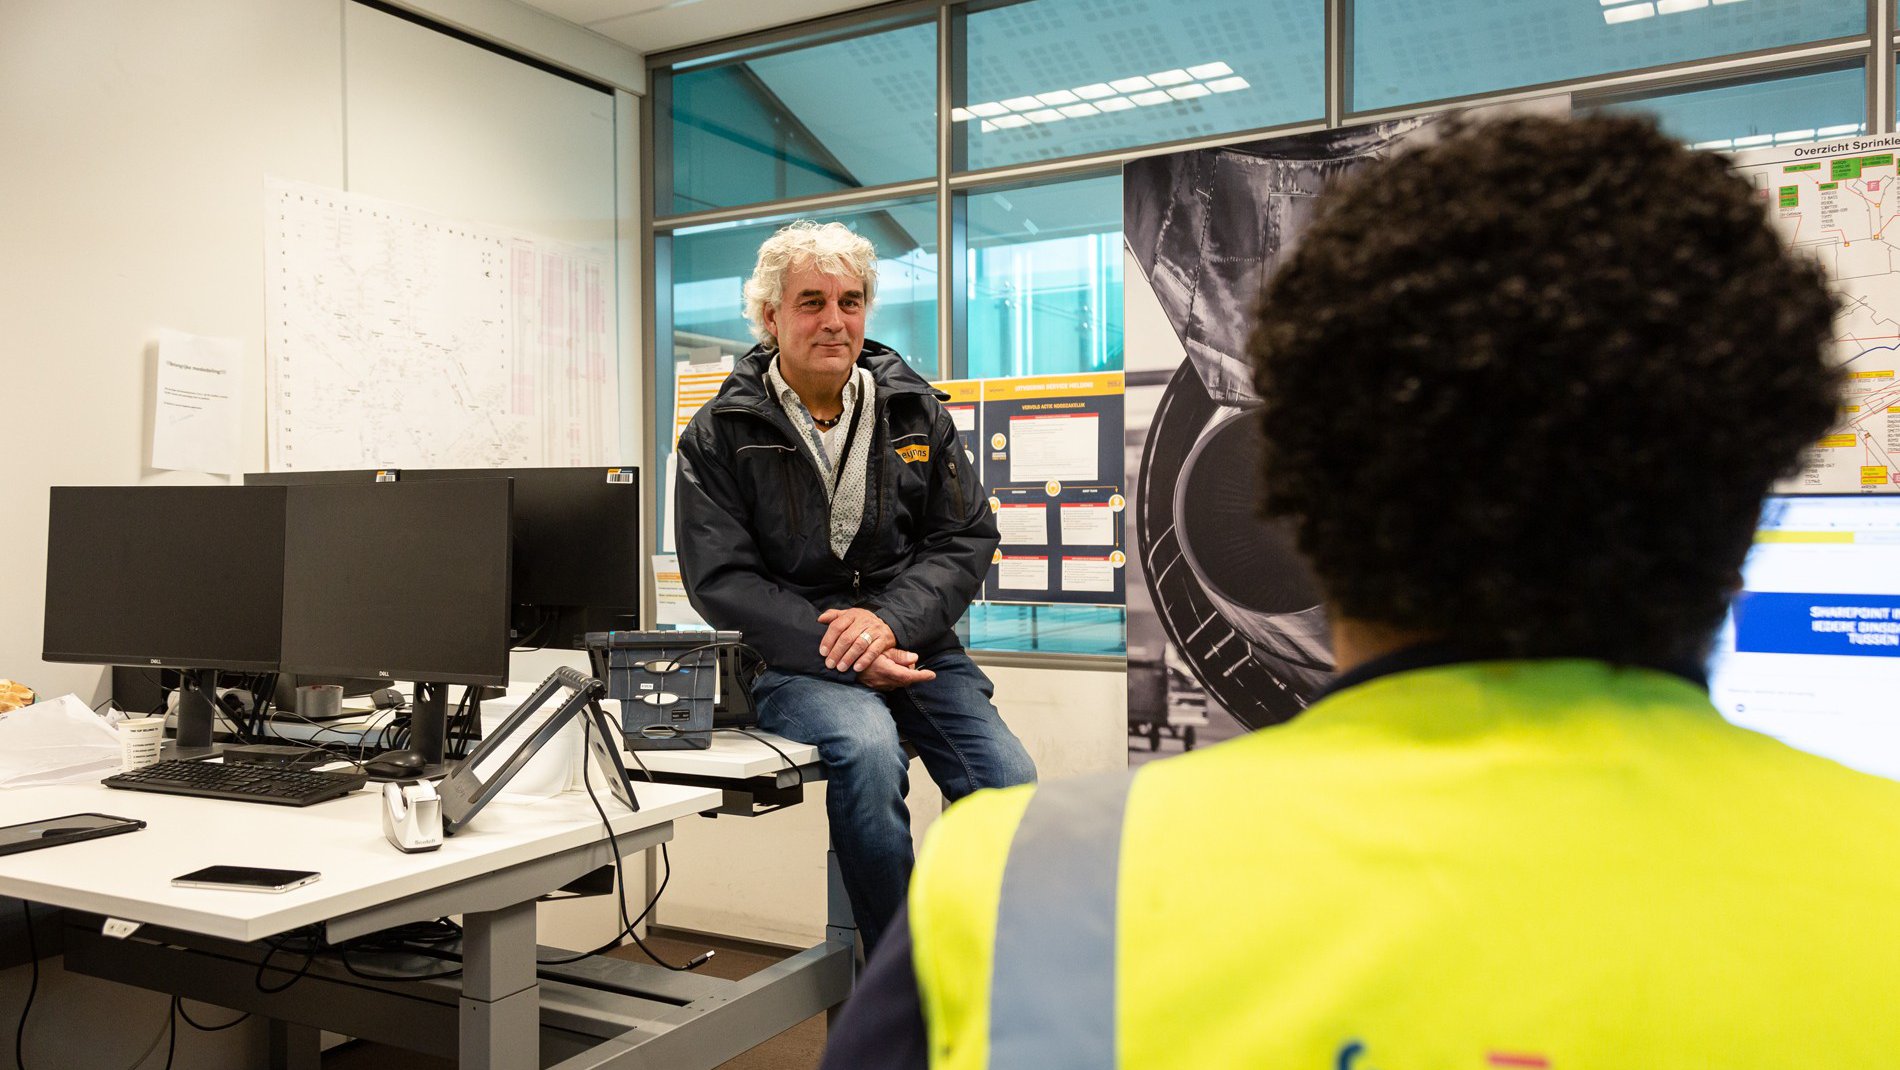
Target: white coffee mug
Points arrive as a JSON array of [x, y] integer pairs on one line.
[[139, 740]]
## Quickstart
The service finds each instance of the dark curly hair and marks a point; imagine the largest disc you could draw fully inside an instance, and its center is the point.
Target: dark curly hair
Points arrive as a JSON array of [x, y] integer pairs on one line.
[[1526, 388]]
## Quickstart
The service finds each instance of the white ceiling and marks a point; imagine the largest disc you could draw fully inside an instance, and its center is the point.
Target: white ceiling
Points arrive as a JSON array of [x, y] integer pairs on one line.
[[660, 25]]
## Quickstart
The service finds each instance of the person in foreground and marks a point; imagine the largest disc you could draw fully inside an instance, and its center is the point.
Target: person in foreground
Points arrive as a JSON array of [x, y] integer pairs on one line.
[[1525, 390], [826, 511]]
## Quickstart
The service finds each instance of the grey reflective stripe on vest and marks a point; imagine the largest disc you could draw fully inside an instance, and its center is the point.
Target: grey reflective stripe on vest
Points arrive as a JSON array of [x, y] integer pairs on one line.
[[1052, 995]]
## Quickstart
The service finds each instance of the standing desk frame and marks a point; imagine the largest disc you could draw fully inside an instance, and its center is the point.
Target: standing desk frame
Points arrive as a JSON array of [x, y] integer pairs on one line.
[[595, 1014]]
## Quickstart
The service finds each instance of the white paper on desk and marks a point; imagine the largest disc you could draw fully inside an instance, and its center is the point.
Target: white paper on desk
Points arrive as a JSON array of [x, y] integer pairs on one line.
[[60, 741], [195, 426]]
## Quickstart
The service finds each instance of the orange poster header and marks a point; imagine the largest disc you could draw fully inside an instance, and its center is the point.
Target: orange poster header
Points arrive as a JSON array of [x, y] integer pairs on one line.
[[1046, 387], [961, 391]]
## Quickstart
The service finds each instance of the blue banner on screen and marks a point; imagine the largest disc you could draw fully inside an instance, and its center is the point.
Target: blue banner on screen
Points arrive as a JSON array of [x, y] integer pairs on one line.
[[1849, 624]]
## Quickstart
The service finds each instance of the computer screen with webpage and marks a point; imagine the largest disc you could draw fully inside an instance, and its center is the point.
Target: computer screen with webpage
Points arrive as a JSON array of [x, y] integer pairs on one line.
[[1810, 653]]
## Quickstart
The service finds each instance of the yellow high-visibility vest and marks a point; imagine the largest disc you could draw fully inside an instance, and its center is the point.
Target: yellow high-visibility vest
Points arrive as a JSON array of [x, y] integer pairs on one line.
[[1550, 864]]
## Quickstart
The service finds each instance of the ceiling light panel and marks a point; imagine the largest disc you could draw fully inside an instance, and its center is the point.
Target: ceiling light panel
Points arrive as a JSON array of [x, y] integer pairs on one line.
[[1628, 13]]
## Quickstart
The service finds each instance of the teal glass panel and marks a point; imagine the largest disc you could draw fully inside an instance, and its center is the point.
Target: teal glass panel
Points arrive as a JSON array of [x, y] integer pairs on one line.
[[840, 115], [1777, 111], [1053, 78], [1004, 626], [1044, 292], [1044, 297], [1408, 51]]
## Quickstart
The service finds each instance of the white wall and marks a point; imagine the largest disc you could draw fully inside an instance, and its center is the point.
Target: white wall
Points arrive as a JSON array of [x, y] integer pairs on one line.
[[135, 139]]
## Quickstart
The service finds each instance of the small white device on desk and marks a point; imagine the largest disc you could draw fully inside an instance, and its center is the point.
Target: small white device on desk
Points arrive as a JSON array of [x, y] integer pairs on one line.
[[412, 816]]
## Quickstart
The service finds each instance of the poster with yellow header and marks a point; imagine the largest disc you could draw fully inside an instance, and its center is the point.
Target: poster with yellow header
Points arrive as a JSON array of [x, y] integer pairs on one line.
[[1839, 201], [1049, 449]]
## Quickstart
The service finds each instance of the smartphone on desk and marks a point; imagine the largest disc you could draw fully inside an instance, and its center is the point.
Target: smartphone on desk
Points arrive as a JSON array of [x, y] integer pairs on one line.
[[246, 878], [29, 835]]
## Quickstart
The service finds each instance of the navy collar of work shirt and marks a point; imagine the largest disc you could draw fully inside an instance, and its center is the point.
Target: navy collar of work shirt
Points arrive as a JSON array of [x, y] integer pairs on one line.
[[1438, 652]]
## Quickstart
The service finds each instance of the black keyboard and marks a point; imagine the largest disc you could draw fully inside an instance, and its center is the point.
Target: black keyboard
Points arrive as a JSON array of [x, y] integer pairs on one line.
[[275, 784]]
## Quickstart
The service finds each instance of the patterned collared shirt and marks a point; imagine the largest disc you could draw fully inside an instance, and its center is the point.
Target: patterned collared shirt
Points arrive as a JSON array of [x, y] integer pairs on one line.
[[846, 489]]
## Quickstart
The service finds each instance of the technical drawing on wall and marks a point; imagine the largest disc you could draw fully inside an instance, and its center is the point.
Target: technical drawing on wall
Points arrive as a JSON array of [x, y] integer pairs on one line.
[[401, 338]]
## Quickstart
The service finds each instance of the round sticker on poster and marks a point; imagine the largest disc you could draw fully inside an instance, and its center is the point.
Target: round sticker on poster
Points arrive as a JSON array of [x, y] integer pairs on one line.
[[968, 456], [996, 556], [1118, 559], [1052, 488], [1117, 502], [996, 504], [998, 441]]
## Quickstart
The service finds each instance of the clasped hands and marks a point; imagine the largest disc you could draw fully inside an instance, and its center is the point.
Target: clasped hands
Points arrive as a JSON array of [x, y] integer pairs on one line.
[[859, 641]]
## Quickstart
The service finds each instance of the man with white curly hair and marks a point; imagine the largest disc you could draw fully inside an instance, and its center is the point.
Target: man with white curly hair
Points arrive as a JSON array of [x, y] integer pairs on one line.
[[826, 510]]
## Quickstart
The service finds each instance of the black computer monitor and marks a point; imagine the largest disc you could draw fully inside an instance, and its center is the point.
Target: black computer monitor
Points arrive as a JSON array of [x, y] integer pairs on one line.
[[323, 477], [175, 577], [577, 565], [400, 581]]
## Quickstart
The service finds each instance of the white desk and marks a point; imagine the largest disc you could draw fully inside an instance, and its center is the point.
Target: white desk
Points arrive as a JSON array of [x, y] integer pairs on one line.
[[730, 756], [492, 873]]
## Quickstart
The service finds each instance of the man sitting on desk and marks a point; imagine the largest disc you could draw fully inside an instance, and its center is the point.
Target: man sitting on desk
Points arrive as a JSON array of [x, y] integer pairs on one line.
[[826, 511]]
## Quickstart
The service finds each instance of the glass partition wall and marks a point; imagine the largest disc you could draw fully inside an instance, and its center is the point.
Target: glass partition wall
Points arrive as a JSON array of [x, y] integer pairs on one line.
[[979, 146]]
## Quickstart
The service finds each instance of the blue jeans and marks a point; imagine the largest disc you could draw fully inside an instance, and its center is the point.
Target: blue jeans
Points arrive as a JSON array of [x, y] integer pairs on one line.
[[950, 720]]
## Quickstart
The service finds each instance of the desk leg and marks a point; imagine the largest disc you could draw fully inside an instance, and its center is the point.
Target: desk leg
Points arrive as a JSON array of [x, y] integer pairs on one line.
[[295, 1047], [501, 1004], [840, 925]]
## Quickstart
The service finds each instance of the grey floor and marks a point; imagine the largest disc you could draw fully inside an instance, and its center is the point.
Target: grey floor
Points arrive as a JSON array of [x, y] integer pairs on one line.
[[798, 1048]]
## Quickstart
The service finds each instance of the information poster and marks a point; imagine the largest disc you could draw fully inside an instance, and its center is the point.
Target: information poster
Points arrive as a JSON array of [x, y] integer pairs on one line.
[[1050, 451], [1835, 200], [965, 405]]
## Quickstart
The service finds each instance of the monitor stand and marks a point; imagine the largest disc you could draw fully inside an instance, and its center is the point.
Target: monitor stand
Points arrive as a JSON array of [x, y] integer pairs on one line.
[[429, 729], [197, 714]]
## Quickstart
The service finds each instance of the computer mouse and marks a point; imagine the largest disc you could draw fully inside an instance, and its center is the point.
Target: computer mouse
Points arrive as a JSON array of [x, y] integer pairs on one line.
[[396, 765]]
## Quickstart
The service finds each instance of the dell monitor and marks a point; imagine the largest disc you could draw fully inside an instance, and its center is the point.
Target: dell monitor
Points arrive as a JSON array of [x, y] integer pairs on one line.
[[167, 577], [577, 564], [1810, 653], [400, 581]]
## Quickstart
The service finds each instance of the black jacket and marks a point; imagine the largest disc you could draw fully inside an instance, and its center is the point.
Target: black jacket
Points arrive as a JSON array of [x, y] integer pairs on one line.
[[754, 522]]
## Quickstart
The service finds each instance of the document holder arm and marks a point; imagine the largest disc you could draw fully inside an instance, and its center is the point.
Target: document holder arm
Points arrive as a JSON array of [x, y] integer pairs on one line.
[[464, 792]]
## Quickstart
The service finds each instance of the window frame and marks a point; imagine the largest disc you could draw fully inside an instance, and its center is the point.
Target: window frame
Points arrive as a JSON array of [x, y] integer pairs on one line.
[[953, 182]]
